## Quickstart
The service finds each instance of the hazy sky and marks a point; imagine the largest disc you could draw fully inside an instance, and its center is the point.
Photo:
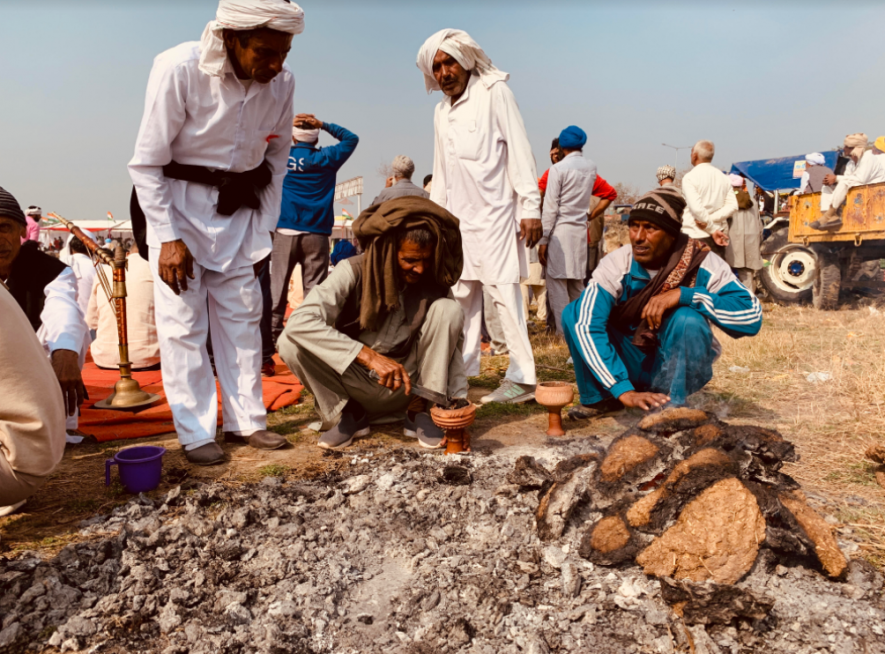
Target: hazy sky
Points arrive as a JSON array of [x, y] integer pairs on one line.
[[759, 79]]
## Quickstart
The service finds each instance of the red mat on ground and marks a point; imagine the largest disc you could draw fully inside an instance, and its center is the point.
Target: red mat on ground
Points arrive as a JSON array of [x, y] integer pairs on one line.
[[283, 389]]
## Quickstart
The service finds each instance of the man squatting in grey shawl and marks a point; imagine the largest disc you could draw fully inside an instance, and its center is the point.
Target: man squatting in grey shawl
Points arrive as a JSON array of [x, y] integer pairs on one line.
[[381, 322]]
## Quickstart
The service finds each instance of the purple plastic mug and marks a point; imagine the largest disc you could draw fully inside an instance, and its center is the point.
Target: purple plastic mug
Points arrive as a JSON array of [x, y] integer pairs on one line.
[[140, 468]]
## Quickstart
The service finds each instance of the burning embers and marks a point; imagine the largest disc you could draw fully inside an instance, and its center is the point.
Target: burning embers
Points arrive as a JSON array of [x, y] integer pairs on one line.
[[686, 497]]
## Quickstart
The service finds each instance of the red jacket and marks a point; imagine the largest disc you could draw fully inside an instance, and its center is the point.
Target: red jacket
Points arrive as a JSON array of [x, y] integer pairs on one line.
[[601, 188]]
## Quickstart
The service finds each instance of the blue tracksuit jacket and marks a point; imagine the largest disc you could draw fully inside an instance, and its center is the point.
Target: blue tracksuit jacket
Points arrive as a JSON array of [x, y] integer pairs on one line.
[[309, 186], [717, 298]]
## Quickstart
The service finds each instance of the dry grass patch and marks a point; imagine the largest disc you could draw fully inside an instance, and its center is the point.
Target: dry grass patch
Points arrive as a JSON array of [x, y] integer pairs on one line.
[[831, 422]]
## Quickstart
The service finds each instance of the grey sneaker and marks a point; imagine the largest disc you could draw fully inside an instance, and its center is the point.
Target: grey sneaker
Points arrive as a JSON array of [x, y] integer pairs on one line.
[[509, 392], [425, 430], [349, 427]]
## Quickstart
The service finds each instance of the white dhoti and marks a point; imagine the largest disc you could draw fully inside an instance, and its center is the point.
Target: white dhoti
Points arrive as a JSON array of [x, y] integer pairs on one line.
[[230, 303], [837, 198], [507, 299]]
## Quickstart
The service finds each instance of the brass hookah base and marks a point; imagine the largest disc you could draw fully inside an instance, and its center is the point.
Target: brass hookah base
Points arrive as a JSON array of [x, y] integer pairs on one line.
[[127, 393]]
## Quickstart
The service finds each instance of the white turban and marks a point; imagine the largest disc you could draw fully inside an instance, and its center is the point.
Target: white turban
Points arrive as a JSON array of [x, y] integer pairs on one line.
[[305, 135], [466, 52], [816, 159], [239, 15]]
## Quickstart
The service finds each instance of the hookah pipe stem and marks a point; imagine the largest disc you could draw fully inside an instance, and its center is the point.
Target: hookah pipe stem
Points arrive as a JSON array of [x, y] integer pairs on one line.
[[119, 266]]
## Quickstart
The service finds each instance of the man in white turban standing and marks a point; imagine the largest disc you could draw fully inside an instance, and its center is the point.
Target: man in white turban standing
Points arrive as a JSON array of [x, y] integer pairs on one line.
[[208, 170], [484, 173]]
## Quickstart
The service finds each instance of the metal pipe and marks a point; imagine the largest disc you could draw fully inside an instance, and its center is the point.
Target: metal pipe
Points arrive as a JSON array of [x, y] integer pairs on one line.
[[127, 392]]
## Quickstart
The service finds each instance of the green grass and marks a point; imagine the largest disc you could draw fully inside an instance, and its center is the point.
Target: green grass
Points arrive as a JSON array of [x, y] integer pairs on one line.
[[295, 437], [484, 381], [116, 488], [862, 473], [82, 506], [273, 470]]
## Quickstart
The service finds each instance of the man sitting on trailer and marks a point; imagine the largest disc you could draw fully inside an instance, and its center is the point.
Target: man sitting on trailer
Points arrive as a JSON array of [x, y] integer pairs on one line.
[[381, 322], [46, 290], [870, 170]]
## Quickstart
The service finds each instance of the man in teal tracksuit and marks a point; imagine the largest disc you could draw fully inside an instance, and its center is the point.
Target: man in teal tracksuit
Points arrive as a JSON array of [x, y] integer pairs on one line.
[[640, 333], [306, 215]]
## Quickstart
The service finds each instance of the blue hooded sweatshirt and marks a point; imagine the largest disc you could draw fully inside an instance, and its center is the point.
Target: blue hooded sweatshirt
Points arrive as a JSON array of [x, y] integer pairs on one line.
[[309, 186]]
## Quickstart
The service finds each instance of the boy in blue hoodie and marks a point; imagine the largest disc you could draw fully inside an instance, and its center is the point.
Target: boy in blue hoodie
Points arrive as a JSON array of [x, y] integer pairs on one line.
[[306, 215]]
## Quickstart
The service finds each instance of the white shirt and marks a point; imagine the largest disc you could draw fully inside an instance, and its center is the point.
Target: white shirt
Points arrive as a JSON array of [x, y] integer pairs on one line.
[[196, 119], [84, 271], [63, 323], [709, 198], [484, 173], [804, 181], [850, 167], [870, 170]]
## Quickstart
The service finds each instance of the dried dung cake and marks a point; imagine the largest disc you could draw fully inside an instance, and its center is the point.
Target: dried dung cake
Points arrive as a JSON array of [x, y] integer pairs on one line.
[[688, 496], [716, 537]]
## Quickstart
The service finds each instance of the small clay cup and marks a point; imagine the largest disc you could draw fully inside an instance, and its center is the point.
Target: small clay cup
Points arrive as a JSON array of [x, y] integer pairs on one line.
[[454, 423], [554, 395]]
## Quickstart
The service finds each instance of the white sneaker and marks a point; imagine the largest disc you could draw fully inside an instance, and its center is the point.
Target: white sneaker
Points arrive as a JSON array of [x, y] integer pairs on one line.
[[509, 392], [12, 508]]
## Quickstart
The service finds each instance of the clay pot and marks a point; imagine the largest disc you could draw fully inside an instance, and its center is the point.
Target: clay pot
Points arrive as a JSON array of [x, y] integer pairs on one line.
[[554, 395], [454, 423]]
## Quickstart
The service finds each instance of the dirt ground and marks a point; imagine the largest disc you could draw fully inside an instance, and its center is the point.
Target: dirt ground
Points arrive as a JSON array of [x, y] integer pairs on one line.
[[761, 380]]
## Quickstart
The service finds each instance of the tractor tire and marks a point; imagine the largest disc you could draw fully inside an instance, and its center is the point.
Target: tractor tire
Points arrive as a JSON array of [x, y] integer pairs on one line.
[[790, 272], [827, 282]]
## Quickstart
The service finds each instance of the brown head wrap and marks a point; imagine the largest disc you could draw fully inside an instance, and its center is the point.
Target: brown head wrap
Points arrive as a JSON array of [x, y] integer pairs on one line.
[[378, 229]]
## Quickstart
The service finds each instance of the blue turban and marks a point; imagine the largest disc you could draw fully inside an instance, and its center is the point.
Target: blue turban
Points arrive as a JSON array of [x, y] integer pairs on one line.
[[343, 250], [572, 138]]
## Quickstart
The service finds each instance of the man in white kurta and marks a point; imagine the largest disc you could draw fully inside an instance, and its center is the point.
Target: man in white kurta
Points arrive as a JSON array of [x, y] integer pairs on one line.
[[46, 290], [563, 248], [224, 104], [869, 170], [852, 149], [484, 173], [84, 271], [709, 200]]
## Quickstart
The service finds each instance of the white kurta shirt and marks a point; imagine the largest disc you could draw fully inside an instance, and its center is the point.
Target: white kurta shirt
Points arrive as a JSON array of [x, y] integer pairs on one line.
[[84, 271], [870, 170], [63, 323], [196, 119], [484, 173], [569, 189], [709, 198], [850, 167]]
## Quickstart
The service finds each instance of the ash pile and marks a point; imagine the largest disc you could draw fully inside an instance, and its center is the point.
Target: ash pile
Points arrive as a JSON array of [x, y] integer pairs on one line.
[[682, 535]]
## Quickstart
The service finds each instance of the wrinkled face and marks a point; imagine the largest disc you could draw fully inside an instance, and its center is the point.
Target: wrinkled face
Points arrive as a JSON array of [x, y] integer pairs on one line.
[[449, 74], [262, 57], [11, 234], [414, 260], [651, 244]]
